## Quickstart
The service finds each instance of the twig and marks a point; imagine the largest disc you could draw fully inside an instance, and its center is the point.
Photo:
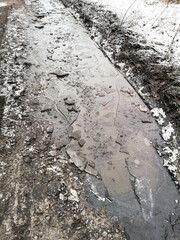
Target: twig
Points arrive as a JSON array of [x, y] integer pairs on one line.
[[175, 35], [160, 14], [122, 21]]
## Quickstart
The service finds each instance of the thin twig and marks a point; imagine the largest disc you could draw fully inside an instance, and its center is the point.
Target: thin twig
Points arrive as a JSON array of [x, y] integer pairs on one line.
[[122, 21], [175, 35], [160, 14]]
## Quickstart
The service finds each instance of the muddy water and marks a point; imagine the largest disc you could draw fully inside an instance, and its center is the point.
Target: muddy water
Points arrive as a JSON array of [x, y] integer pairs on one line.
[[110, 116]]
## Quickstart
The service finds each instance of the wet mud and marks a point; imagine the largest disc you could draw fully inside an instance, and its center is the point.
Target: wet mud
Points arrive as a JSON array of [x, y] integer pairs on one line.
[[78, 139]]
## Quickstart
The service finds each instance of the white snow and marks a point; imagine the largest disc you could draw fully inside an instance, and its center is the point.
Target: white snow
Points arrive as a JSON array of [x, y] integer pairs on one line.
[[55, 169], [157, 21], [74, 196], [167, 132], [159, 114], [3, 4], [171, 159], [61, 196], [172, 169], [174, 154]]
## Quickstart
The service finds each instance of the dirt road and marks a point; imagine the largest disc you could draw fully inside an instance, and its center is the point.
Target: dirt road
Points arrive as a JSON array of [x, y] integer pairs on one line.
[[77, 159]]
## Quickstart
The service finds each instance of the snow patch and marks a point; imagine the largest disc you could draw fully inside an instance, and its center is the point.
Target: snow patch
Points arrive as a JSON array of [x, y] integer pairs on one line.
[[61, 196], [55, 169], [173, 154], [167, 132], [159, 114], [74, 196], [3, 4], [157, 21]]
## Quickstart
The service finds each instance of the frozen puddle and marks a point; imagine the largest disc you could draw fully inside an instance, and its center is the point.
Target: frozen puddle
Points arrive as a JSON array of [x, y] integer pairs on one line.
[[115, 127]]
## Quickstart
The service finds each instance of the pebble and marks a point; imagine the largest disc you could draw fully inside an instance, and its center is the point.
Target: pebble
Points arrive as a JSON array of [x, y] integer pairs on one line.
[[104, 234], [53, 153], [40, 26], [46, 108], [91, 171], [91, 163], [69, 101], [79, 161], [60, 74], [76, 135], [61, 143], [50, 129], [109, 162], [82, 142], [143, 109]]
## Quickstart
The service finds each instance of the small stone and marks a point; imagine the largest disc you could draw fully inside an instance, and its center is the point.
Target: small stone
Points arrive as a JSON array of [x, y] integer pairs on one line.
[[62, 143], [50, 129], [34, 101], [77, 158], [72, 108], [53, 153], [143, 109], [40, 15], [49, 159], [46, 108], [69, 101], [146, 121], [91, 171], [40, 26], [60, 74], [109, 162], [91, 163], [27, 160], [76, 135], [109, 90], [82, 142], [48, 218], [101, 94], [18, 123], [104, 234]]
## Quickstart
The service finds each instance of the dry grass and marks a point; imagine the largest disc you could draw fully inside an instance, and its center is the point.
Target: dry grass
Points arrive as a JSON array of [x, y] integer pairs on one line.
[[171, 1]]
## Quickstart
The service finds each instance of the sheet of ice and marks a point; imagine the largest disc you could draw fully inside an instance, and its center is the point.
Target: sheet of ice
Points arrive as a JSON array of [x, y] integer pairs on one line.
[[157, 21], [93, 189]]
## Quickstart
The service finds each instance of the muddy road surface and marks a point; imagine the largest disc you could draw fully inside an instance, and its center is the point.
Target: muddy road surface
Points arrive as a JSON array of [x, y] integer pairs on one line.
[[77, 160]]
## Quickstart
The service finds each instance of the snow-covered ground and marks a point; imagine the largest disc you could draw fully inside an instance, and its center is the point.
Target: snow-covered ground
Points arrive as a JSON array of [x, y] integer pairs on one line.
[[157, 21]]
